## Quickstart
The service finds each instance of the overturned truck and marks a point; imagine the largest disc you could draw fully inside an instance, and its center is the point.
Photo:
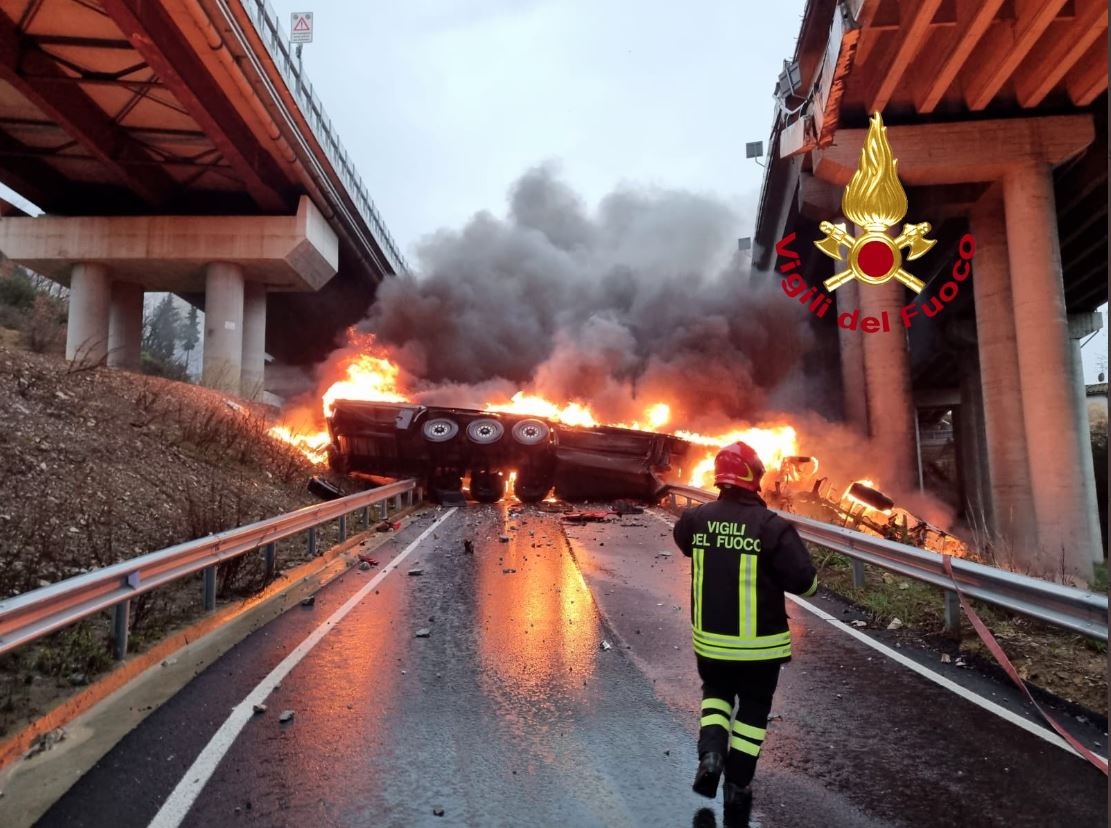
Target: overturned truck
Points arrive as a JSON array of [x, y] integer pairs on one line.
[[442, 446]]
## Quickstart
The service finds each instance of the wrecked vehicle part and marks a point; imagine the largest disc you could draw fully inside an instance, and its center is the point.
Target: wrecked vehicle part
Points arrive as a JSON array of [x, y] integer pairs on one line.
[[605, 463], [321, 488], [445, 445]]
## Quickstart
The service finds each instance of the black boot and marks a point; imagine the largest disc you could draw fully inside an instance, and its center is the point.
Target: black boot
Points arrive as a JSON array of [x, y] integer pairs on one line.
[[738, 804], [709, 772]]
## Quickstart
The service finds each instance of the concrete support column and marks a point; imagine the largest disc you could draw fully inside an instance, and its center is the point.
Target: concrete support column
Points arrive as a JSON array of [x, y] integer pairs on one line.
[[1064, 501], [125, 326], [851, 346], [1081, 326], [223, 327], [254, 341], [891, 414], [89, 299], [1014, 533], [972, 446]]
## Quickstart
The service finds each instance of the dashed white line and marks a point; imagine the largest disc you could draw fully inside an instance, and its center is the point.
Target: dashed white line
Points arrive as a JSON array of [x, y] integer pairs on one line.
[[926, 672], [177, 805]]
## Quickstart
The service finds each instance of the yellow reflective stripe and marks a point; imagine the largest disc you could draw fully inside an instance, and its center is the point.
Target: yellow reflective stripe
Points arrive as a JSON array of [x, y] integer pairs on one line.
[[750, 583], [698, 561], [773, 640], [718, 704], [737, 743], [714, 719], [726, 654], [813, 588], [742, 729]]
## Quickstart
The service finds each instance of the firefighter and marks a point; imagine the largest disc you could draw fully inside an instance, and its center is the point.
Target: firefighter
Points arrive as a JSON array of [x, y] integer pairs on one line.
[[743, 558]]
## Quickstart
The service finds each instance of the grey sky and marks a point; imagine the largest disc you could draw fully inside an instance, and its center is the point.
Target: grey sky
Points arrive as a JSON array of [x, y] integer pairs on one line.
[[444, 104]]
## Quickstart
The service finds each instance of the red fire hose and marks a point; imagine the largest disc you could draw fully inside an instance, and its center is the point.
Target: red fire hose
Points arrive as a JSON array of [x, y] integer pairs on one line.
[[1005, 663]]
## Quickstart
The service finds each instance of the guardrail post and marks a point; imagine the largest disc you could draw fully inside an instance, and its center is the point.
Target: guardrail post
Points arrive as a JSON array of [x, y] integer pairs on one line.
[[397, 502], [858, 573], [952, 613], [210, 588], [409, 498], [366, 518], [121, 614], [312, 540], [342, 528], [268, 559]]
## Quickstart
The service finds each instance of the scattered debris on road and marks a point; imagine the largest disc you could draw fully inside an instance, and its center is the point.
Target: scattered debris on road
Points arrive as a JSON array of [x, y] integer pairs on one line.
[[287, 716], [438, 811], [858, 623], [468, 547], [507, 570], [368, 560], [46, 741], [364, 566], [503, 538], [895, 624], [308, 602], [605, 645], [259, 709], [946, 658], [587, 517], [424, 632], [626, 507], [416, 572]]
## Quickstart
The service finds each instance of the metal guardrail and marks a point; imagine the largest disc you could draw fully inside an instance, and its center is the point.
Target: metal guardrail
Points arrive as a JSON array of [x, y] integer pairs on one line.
[[265, 21], [1062, 606], [34, 614]]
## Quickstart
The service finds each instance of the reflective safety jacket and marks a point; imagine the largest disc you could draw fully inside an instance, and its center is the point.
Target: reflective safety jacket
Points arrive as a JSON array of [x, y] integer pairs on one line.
[[743, 558]]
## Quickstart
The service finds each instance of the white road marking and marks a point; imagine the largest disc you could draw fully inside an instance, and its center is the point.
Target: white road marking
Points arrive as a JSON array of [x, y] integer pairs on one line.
[[926, 672], [177, 805]]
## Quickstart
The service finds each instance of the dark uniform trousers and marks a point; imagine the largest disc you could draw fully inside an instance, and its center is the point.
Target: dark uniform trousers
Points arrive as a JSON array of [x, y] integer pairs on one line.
[[736, 700]]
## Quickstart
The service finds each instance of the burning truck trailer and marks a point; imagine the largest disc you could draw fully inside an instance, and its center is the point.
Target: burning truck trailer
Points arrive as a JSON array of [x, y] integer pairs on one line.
[[442, 446]]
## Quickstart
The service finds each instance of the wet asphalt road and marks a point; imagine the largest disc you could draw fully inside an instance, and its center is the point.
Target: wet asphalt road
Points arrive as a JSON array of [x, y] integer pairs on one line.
[[510, 712]]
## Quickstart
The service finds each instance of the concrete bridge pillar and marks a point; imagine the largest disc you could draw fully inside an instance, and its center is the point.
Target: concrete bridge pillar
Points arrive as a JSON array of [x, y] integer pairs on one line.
[[1008, 472], [125, 326], [891, 414], [254, 341], [971, 444], [851, 343], [223, 327], [1064, 498], [89, 300], [1081, 326]]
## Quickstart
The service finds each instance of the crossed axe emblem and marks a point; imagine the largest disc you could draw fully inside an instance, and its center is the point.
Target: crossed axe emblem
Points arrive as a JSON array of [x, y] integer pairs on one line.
[[874, 257]]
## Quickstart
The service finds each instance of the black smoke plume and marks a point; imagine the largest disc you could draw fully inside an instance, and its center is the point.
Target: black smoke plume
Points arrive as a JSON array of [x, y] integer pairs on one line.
[[641, 301]]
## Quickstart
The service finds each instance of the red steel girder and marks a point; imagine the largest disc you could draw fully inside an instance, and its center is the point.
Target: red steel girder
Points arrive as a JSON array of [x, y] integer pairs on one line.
[[171, 57], [25, 67]]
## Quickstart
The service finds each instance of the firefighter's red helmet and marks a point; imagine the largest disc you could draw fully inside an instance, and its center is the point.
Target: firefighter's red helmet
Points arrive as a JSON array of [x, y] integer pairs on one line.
[[738, 465]]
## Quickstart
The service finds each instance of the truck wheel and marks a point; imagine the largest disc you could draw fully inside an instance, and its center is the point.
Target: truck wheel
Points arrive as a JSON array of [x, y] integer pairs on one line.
[[485, 432], [487, 487], [439, 430], [532, 489], [531, 432]]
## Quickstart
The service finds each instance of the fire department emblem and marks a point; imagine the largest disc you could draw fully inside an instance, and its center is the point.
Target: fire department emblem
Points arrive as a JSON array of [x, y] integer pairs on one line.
[[875, 201]]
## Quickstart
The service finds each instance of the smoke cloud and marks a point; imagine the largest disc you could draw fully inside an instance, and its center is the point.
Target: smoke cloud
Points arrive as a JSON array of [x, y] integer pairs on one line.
[[642, 300]]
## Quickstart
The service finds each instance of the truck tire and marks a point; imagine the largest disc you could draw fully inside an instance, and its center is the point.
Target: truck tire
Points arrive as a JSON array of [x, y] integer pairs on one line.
[[485, 432], [532, 489], [487, 487], [531, 432], [439, 429]]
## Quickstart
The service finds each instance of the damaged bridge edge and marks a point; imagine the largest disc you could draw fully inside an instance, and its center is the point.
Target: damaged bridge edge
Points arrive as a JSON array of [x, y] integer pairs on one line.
[[103, 713]]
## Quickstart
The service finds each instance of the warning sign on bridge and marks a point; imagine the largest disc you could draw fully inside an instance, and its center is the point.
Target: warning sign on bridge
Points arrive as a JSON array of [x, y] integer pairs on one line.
[[300, 27]]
